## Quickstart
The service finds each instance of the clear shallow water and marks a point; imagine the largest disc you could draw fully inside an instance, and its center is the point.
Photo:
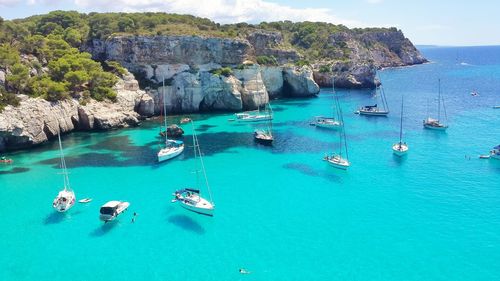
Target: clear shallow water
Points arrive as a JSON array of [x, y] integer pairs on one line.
[[282, 213]]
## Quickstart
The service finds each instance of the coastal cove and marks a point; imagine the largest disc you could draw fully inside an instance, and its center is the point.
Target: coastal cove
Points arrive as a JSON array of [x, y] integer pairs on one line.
[[282, 213]]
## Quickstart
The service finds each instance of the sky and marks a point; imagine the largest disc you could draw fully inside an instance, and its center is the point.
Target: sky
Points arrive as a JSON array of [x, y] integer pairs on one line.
[[429, 22]]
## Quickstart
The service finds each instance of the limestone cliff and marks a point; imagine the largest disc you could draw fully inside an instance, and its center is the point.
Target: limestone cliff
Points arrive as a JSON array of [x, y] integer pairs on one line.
[[36, 120]]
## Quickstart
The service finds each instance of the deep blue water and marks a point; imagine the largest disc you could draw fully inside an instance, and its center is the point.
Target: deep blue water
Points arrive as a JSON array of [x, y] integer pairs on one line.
[[282, 213]]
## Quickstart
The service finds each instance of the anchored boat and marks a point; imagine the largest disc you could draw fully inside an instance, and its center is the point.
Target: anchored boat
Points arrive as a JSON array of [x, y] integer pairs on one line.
[[436, 124], [401, 147], [65, 199], [190, 198], [172, 148]]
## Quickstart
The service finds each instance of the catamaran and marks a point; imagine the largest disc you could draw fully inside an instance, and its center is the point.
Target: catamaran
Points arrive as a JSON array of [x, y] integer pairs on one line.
[[328, 122], [435, 124], [265, 136], [66, 197], [190, 198], [172, 148], [401, 147], [375, 110], [338, 160]]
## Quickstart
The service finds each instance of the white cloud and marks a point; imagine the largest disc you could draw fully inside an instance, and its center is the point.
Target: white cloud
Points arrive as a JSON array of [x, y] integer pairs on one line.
[[6, 3], [223, 11]]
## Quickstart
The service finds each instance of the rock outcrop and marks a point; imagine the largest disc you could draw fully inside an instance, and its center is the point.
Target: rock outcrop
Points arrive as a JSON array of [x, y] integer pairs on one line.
[[36, 120], [299, 82], [134, 51], [270, 43]]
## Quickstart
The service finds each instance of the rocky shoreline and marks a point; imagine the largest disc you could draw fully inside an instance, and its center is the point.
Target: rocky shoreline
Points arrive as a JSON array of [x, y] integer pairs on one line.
[[201, 74]]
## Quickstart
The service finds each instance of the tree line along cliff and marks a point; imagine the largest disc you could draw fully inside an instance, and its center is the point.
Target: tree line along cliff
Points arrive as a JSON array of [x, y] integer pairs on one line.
[[46, 55]]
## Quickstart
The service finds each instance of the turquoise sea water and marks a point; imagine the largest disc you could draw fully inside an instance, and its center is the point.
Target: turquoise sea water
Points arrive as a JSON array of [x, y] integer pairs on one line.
[[281, 212]]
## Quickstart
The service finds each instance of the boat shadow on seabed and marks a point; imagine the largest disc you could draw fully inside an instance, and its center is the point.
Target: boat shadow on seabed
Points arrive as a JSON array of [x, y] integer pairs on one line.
[[57, 217], [186, 223], [104, 229]]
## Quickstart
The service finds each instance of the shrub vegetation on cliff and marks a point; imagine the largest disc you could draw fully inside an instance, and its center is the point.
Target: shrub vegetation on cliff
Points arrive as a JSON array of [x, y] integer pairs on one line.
[[41, 55], [225, 71]]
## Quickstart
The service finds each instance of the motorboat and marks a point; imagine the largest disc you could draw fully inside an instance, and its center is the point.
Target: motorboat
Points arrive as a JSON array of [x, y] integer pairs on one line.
[[85, 200], [112, 209]]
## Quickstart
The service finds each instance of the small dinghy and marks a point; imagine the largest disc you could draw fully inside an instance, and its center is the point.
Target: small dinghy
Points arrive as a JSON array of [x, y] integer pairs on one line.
[[484, 157], [85, 200]]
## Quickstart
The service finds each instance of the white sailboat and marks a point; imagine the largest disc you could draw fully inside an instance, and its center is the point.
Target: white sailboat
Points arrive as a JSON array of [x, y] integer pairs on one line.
[[265, 136], [401, 147], [172, 148], [328, 122], [376, 110], [339, 160], [254, 115], [435, 124], [190, 198], [66, 197]]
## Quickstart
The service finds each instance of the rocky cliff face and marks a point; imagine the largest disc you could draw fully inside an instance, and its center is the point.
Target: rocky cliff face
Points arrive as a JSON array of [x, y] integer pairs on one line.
[[366, 52], [36, 120], [187, 64]]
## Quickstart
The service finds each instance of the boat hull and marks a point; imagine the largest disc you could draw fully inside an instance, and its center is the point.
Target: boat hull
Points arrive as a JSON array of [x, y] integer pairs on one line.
[[338, 163], [202, 211], [400, 150], [255, 119], [332, 126], [263, 138], [169, 153], [434, 127], [373, 113], [61, 205]]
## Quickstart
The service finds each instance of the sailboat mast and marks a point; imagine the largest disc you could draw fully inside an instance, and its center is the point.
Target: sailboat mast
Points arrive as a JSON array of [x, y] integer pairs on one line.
[[164, 109], [63, 164], [439, 99], [343, 133], [195, 150], [198, 151], [270, 113], [401, 124]]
